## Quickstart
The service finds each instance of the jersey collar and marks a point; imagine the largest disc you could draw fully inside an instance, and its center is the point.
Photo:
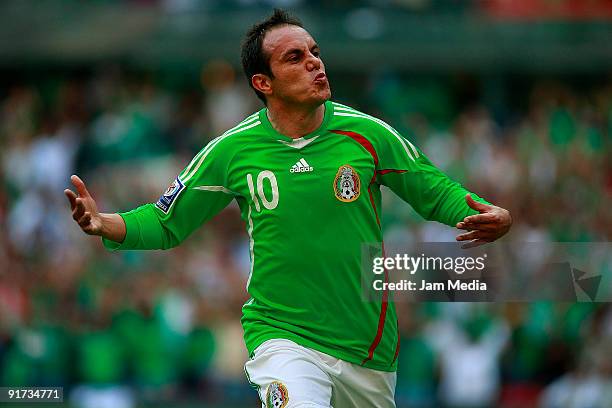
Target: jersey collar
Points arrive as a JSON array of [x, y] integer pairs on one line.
[[329, 112]]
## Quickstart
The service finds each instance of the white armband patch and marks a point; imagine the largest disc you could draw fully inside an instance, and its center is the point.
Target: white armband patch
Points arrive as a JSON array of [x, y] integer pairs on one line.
[[172, 192]]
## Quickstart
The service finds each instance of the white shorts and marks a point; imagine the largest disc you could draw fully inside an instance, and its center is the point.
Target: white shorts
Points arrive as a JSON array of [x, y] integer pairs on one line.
[[288, 375]]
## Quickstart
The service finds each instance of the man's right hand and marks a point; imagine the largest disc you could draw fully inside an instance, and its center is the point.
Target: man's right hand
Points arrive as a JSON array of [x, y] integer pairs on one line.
[[84, 208], [85, 213]]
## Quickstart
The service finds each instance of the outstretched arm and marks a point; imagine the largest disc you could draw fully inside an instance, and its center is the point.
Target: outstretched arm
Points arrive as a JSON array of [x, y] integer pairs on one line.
[[197, 194], [85, 213], [491, 223], [409, 173]]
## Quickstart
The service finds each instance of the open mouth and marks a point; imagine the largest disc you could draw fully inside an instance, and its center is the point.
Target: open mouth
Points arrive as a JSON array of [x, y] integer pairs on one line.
[[320, 77]]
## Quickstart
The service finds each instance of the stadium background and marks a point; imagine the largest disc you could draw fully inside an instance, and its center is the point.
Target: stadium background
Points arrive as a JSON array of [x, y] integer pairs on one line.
[[512, 98]]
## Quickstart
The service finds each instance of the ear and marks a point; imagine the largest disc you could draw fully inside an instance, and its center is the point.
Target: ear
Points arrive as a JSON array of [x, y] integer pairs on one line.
[[262, 83]]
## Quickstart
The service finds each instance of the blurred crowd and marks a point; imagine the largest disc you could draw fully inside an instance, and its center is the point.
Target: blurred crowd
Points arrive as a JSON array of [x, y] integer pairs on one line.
[[117, 328], [499, 8]]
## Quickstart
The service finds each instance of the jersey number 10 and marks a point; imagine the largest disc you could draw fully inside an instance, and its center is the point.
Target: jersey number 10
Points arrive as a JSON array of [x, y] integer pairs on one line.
[[269, 204]]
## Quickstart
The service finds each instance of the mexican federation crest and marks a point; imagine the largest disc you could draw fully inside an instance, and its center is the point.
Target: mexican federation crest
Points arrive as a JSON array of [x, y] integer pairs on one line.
[[277, 395], [347, 185]]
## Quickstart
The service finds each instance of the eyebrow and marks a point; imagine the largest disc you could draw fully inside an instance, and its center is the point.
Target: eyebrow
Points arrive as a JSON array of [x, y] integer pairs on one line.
[[298, 51], [291, 51]]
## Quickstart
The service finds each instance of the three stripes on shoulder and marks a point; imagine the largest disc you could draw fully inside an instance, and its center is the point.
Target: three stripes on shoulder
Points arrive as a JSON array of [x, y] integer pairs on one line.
[[343, 110]]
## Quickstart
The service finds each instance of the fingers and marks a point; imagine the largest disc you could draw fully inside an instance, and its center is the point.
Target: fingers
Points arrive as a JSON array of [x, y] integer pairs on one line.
[[490, 227], [71, 198], [480, 207], [80, 185], [87, 224], [473, 244], [79, 209], [481, 218], [476, 238], [477, 234], [82, 206], [85, 220]]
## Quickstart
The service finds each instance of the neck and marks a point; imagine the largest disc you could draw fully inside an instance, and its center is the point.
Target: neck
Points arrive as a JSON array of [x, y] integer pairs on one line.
[[295, 122]]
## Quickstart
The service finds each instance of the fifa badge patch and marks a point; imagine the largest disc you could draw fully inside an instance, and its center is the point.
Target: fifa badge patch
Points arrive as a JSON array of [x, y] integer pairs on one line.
[[172, 192], [347, 185], [277, 395]]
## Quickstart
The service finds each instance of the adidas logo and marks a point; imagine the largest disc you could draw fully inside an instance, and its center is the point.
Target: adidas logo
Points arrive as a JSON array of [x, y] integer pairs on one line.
[[301, 167]]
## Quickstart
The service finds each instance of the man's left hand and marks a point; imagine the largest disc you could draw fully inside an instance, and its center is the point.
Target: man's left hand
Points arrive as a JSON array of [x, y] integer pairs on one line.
[[492, 223]]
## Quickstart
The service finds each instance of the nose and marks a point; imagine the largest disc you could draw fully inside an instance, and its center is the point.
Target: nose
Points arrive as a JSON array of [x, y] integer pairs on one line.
[[313, 62]]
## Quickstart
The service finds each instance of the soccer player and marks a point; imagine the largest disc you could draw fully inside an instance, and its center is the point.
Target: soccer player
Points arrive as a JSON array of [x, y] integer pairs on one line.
[[306, 173]]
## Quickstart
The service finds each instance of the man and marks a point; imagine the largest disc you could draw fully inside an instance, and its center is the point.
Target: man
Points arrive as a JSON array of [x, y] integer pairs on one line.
[[306, 173]]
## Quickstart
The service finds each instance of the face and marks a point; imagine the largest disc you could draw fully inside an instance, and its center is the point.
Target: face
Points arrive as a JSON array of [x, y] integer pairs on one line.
[[298, 72]]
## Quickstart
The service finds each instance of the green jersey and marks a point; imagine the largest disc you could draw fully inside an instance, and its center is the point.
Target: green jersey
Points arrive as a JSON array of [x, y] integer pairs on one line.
[[308, 205]]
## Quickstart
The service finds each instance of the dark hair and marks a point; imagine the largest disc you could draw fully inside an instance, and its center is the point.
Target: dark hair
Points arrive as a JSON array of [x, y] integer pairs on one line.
[[254, 59]]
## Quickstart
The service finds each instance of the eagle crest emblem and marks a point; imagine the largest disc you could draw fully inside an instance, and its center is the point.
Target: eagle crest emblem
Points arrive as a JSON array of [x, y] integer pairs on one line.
[[347, 185], [277, 395]]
